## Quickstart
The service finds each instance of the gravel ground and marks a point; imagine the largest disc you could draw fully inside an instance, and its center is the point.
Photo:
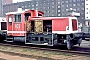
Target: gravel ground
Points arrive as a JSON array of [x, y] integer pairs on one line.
[[85, 44], [33, 53], [4, 56]]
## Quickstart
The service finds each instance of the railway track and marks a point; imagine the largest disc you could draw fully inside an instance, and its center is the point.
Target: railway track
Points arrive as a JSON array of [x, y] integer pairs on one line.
[[75, 50]]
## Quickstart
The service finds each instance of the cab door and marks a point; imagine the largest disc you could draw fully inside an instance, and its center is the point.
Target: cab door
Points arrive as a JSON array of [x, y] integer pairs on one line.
[[9, 24]]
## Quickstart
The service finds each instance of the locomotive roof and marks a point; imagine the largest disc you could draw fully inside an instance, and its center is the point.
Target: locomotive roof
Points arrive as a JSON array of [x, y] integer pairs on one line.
[[17, 12], [21, 11]]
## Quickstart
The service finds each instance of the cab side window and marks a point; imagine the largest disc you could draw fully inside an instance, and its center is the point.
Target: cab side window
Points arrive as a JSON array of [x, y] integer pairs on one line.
[[18, 18], [10, 20]]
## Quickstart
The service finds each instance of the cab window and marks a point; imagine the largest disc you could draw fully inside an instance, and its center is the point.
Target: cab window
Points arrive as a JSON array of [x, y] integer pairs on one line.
[[10, 20], [74, 24], [18, 18]]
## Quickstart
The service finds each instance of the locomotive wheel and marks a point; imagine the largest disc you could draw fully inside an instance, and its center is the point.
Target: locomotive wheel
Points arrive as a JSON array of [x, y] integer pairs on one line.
[[69, 44]]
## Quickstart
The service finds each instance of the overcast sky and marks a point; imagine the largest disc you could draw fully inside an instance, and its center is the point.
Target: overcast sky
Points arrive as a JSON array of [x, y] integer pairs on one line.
[[14, 1]]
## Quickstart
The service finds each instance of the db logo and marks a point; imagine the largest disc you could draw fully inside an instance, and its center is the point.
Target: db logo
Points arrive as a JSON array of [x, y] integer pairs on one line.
[[17, 25]]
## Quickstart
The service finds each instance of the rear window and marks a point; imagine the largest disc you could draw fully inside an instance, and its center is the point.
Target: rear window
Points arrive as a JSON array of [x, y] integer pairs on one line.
[[3, 26], [74, 24]]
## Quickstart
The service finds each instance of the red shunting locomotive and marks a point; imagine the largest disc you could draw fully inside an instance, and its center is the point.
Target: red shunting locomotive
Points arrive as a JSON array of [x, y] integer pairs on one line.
[[31, 27]]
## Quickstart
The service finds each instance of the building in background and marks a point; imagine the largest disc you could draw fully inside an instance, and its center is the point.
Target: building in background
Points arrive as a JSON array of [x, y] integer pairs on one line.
[[1, 8], [77, 5], [87, 12], [50, 7], [4, 2]]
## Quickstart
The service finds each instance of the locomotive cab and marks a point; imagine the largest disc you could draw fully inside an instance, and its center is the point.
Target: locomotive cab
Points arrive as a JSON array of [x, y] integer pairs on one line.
[[18, 24]]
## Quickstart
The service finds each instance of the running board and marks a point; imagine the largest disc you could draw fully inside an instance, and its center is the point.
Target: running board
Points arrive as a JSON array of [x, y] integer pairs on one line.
[[9, 38], [39, 44], [8, 41]]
